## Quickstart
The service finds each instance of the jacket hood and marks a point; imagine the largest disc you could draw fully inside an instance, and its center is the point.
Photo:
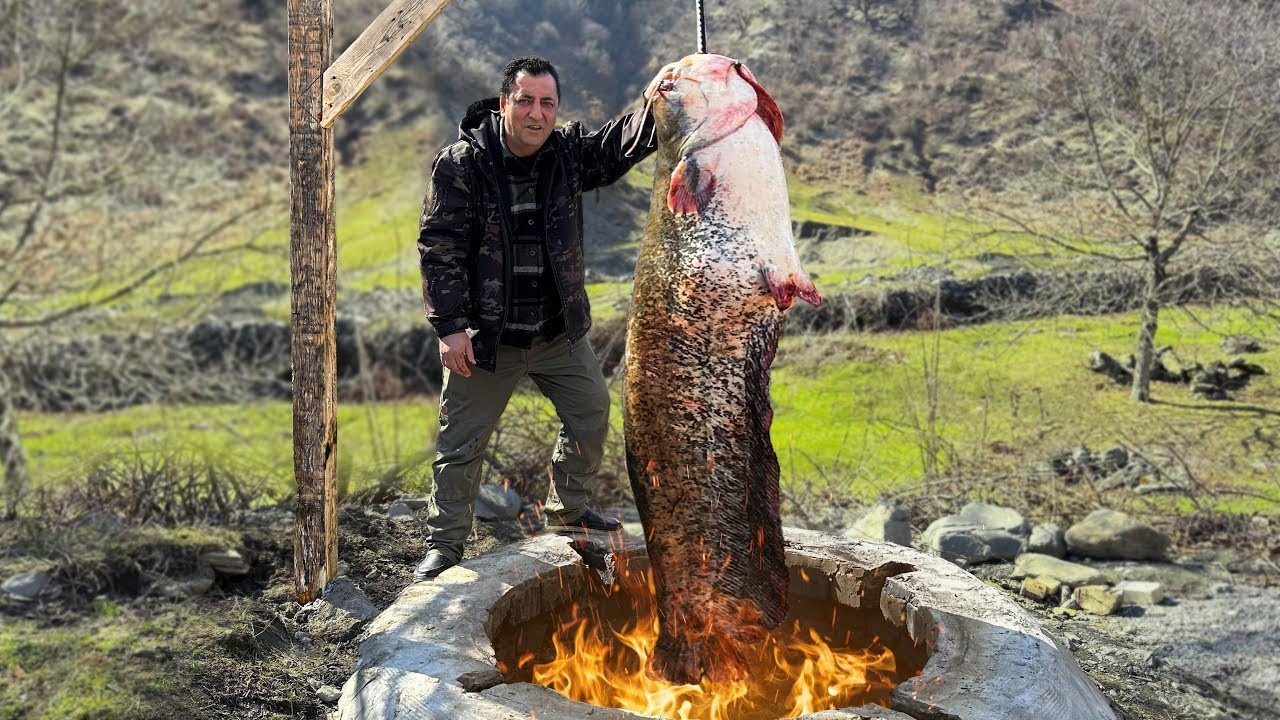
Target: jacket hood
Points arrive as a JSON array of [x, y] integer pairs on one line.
[[479, 114]]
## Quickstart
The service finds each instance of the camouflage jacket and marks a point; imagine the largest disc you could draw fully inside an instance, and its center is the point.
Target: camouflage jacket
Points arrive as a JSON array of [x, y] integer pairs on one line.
[[464, 235]]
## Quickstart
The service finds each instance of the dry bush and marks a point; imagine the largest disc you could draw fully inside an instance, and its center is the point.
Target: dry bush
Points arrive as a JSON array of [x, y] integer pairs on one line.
[[166, 487]]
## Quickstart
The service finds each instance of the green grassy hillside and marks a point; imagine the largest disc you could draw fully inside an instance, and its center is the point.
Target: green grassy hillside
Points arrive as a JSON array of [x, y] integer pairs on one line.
[[852, 414]]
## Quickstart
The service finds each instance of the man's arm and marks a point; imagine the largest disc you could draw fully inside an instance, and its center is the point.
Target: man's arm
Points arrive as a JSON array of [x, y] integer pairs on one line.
[[607, 154], [444, 245]]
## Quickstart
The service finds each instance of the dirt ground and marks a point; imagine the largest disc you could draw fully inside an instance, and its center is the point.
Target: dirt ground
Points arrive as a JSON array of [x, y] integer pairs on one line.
[[1210, 651]]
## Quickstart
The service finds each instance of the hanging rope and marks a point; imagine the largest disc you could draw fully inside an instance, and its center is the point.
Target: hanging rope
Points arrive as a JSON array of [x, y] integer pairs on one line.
[[702, 29]]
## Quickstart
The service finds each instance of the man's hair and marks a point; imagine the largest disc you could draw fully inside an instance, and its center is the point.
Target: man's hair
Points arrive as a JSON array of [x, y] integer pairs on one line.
[[531, 65]]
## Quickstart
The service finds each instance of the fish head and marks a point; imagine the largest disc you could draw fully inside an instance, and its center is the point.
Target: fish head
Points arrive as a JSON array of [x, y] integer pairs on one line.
[[704, 97]]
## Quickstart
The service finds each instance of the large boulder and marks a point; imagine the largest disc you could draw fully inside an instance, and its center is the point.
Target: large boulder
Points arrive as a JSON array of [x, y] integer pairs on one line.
[[1047, 539], [886, 522], [1035, 565], [26, 587], [498, 502], [1113, 535], [978, 533]]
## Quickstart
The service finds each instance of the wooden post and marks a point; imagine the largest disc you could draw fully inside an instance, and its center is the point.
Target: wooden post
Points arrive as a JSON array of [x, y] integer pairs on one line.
[[313, 272], [314, 105]]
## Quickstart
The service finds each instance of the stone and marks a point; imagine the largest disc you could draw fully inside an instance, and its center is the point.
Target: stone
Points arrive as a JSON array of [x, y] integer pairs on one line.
[[995, 517], [1137, 592], [478, 680], [344, 595], [886, 522], [1037, 590], [1113, 535], [1132, 474], [27, 586], [497, 502], [1052, 585], [977, 534], [328, 694], [226, 562], [1047, 539], [1064, 571], [339, 613], [1160, 487], [1240, 344], [399, 512], [189, 587], [1097, 599], [1114, 458], [421, 502]]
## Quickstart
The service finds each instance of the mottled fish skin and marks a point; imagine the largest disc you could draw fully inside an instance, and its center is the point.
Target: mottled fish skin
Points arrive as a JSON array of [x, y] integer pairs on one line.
[[713, 278]]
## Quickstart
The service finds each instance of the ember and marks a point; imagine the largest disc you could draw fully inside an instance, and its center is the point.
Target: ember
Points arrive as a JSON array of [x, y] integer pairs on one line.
[[824, 656]]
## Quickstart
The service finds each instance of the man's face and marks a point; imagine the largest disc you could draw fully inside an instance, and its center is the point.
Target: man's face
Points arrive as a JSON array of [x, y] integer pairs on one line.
[[529, 113]]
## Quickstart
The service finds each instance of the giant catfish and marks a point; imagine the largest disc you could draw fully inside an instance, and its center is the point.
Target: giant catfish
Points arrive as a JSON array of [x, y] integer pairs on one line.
[[716, 270]]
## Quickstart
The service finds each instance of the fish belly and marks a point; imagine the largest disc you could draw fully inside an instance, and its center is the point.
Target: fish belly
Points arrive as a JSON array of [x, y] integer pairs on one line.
[[702, 334]]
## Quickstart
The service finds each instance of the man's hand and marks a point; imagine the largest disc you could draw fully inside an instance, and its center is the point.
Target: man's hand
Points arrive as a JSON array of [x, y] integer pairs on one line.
[[455, 353]]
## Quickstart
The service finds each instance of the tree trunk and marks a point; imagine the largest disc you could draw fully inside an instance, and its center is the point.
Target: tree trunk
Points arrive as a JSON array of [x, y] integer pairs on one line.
[[1146, 355], [13, 457]]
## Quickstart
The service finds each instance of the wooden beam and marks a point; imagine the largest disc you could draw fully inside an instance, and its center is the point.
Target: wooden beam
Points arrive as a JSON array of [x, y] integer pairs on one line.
[[313, 273], [376, 48]]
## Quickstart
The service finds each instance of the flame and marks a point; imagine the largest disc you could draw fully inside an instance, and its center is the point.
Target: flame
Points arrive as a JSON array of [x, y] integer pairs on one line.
[[795, 671]]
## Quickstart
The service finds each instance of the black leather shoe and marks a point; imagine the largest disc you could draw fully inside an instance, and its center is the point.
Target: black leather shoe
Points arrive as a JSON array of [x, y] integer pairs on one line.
[[432, 565], [588, 520]]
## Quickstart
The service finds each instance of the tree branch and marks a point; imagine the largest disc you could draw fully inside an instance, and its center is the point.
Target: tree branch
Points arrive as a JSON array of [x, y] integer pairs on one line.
[[191, 252]]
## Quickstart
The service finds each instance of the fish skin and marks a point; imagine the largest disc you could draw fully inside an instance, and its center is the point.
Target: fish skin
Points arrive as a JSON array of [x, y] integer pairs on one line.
[[717, 268]]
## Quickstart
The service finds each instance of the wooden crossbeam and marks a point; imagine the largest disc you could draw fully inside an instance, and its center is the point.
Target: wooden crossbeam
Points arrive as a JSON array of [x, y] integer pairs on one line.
[[376, 48]]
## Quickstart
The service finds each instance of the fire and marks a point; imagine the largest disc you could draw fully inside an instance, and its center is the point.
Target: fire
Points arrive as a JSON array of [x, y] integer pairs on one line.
[[798, 669]]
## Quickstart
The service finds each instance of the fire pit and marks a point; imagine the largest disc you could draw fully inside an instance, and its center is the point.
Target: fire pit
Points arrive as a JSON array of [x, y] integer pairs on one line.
[[877, 631]]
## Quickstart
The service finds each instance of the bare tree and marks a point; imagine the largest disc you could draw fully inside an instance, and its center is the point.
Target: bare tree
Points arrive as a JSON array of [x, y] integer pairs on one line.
[[99, 191], [1174, 137]]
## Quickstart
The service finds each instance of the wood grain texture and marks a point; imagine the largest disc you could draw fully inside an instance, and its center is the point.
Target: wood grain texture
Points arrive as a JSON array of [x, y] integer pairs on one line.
[[313, 272], [376, 48]]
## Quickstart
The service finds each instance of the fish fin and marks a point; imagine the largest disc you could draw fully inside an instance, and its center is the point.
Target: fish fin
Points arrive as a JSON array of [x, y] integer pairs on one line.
[[766, 107], [785, 288], [691, 188]]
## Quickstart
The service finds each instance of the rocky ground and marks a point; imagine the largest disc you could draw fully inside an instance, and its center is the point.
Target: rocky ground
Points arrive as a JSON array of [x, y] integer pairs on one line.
[[1210, 649]]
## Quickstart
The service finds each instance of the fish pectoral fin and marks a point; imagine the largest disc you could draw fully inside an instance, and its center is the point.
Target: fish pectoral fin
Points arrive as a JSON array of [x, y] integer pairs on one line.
[[787, 286], [692, 186]]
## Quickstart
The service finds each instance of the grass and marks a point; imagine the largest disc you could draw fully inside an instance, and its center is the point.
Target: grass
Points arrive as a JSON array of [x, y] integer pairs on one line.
[[161, 663], [850, 412], [1010, 395], [113, 657]]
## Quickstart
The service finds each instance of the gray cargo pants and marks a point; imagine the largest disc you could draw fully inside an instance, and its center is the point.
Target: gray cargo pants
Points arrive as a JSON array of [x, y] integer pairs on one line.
[[469, 411]]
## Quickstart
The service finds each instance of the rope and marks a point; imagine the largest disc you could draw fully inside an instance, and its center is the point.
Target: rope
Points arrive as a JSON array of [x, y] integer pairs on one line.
[[702, 29]]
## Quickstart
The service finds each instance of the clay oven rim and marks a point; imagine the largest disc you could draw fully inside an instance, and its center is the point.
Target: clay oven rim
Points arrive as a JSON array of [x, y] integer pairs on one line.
[[429, 655]]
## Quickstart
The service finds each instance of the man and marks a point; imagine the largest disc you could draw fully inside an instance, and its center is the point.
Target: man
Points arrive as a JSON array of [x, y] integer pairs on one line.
[[502, 279]]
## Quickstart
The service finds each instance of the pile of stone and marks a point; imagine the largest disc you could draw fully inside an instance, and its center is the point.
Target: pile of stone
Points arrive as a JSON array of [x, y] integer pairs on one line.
[[982, 533], [1215, 381], [1154, 471], [39, 585]]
